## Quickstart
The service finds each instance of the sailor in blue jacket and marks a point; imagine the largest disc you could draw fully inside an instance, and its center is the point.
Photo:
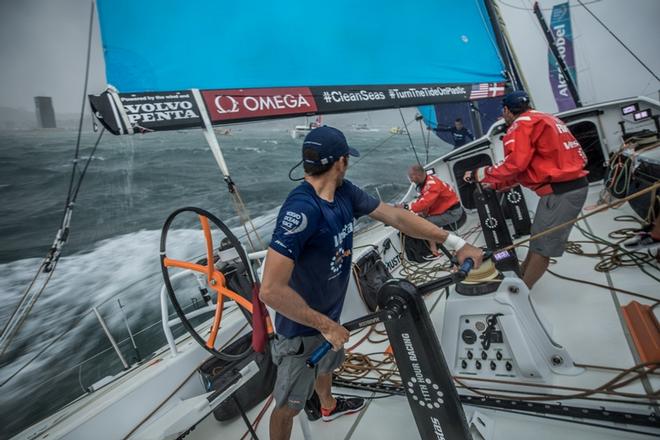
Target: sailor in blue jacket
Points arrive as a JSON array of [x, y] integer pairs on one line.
[[307, 271], [459, 133]]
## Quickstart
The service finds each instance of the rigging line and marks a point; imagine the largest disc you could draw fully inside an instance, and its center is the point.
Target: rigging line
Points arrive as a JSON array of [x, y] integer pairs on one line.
[[362, 156], [25, 293], [13, 326], [632, 255], [87, 162], [582, 217], [522, 8], [490, 36], [537, 25], [46, 347], [618, 39], [639, 262], [405, 126], [75, 161], [82, 111], [627, 292], [426, 138], [27, 300]]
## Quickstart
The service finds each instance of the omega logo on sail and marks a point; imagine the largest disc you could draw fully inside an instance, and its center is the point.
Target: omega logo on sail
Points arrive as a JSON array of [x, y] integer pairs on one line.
[[260, 103], [233, 104], [250, 103]]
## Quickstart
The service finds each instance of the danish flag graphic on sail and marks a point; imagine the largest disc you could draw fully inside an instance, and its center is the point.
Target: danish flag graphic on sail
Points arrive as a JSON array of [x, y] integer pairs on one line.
[[486, 90]]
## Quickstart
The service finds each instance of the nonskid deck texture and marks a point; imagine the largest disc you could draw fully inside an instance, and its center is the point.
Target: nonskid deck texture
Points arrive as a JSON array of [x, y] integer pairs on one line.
[[585, 319]]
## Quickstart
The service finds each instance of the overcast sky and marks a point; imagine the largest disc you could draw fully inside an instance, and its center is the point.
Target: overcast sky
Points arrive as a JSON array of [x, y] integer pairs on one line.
[[43, 44]]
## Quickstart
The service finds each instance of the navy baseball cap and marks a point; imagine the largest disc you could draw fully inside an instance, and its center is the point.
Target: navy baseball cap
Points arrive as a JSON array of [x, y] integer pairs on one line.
[[330, 143], [515, 100]]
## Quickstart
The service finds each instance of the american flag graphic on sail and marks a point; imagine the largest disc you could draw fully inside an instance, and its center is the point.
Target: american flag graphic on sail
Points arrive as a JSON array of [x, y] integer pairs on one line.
[[486, 90]]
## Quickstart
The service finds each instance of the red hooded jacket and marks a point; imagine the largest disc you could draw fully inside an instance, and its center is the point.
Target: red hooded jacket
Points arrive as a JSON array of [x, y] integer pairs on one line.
[[539, 150], [436, 197]]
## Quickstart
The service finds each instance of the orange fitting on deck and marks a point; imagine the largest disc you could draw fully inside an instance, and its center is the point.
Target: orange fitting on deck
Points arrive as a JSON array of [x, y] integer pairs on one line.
[[644, 329]]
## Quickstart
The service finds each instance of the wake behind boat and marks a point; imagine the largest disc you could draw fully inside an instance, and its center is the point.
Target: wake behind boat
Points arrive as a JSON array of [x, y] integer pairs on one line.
[[436, 353]]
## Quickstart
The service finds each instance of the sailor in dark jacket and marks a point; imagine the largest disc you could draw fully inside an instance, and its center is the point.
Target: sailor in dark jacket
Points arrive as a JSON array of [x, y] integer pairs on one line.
[[459, 133]]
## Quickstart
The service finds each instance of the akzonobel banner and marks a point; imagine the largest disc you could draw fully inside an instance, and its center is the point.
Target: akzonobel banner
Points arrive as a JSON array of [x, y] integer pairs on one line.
[[560, 26]]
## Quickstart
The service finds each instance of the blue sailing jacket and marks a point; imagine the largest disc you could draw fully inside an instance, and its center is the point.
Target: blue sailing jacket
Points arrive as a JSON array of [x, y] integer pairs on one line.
[[460, 137], [318, 236]]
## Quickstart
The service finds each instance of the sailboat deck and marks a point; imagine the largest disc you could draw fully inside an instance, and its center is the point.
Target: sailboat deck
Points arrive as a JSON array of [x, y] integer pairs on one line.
[[584, 318]]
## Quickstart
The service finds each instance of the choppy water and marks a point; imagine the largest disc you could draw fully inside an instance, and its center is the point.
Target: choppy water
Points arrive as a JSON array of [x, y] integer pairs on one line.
[[133, 183]]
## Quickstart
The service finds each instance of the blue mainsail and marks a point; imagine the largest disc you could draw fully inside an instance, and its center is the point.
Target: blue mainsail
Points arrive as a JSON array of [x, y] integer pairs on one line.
[[261, 59]]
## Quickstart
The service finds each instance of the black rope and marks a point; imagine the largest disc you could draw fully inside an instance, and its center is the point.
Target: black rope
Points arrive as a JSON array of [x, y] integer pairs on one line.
[[412, 145], [362, 156], [618, 39], [523, 8], [46, 347], [84, 171], [47, 264], [639, 262], [82, 114]]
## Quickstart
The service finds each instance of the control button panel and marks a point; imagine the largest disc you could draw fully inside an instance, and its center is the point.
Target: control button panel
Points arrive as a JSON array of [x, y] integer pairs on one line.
[[482, 348]]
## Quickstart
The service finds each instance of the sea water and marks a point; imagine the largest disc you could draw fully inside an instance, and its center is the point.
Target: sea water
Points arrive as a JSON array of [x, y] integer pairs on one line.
[[111, 259]]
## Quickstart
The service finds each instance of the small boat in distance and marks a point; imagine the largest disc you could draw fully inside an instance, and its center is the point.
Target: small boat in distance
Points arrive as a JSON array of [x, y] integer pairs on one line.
[[300, 131], [363, 127], [398, 130], [223, 131]]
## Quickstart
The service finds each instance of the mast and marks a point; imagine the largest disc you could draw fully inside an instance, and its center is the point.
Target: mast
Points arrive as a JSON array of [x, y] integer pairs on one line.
[[555, 52], [509, 59]]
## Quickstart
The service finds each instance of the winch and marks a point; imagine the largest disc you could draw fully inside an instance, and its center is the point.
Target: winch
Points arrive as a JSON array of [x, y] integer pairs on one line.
[[485, 279]]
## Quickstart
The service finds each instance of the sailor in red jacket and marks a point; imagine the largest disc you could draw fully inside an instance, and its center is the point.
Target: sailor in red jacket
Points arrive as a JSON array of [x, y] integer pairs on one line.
[[437, 201], [541, 154]]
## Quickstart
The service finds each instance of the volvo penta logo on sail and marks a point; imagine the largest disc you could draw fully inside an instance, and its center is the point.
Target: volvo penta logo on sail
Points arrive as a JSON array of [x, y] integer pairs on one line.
[[160, 110], [226, 105]]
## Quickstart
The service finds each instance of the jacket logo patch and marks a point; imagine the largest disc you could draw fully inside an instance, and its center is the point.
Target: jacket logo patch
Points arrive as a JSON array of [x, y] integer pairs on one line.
[[294, 222]]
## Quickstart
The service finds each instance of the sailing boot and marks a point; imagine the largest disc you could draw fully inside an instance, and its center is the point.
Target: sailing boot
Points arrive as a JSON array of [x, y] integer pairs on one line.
[[343, 406]]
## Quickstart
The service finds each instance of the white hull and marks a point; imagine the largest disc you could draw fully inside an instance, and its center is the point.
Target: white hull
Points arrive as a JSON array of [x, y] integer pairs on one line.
[[299, 132]]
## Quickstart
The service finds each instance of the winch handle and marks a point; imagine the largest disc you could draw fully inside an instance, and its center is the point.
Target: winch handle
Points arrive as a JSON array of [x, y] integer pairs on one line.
[[391, 310], [466, 267], [318, 354]]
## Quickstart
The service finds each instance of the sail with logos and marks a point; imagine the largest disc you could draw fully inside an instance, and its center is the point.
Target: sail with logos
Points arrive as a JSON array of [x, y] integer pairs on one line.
[[191, 59]]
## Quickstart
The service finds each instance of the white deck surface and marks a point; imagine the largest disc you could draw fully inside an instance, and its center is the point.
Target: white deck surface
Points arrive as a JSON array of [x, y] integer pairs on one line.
[[584, 319]]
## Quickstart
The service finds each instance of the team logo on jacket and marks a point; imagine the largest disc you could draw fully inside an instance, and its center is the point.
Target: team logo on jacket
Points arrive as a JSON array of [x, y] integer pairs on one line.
[[294, 222], [337, 261]]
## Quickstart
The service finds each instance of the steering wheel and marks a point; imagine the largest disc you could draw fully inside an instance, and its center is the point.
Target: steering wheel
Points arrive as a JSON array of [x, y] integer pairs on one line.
[[215, 279]]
